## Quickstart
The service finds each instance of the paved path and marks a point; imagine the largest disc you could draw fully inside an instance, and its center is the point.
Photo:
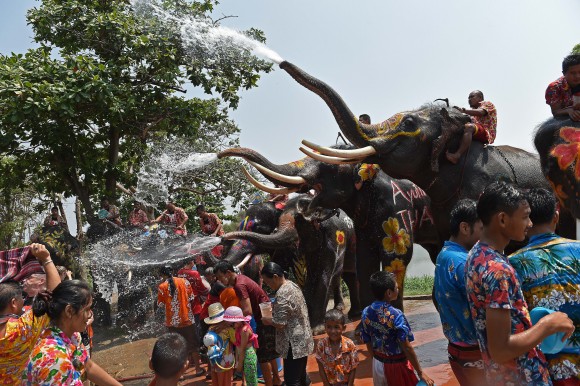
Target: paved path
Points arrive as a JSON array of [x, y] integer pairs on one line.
[[430, 346]]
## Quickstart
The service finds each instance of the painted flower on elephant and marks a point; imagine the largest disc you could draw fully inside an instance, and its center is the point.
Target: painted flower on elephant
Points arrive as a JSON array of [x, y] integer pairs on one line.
[[299, 164], [397, 239], [568, 153], [367, 172], [340, 237], [391, 123], [397, 268]]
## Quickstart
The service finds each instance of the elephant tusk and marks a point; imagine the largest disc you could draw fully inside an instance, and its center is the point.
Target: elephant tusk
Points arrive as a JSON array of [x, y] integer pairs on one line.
[[328, 160], [266, 188], [341, 153], [245, 261], [294, 180]]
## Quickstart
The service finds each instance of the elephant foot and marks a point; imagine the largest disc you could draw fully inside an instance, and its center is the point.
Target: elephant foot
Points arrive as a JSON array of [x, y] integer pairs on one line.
[[318, 329]]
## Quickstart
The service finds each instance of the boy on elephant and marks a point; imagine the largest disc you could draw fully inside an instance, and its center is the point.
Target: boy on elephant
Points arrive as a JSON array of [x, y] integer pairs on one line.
[[482, 127], [560, 93]]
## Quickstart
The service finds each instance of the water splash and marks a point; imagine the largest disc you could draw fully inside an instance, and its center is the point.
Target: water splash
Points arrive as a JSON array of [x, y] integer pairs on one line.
[[199, 34]]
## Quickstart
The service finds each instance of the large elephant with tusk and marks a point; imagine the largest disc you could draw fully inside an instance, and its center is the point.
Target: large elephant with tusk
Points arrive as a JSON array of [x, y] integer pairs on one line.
[[389, 215], [558, 143], [412, 145]]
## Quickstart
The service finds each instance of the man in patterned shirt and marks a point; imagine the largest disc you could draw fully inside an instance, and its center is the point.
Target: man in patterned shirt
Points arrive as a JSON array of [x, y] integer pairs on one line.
[[482, 126], [548, 271], [450, 296], [560, 93], [506, 337]]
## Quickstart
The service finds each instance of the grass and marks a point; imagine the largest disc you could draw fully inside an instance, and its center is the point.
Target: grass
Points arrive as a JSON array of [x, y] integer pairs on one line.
[[419, 285]]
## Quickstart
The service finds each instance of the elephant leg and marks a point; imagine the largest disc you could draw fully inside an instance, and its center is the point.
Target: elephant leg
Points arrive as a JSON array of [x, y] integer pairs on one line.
[[353, 290], [316, 292], [335, 284], [367, 263]]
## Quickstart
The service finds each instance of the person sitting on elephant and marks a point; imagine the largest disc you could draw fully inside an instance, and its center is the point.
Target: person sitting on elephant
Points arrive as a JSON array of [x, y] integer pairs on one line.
[[482, 126], [560, 93], [54, 219], [209, 223], [174, 216], [137, 218], [364, 118], [110, 212]]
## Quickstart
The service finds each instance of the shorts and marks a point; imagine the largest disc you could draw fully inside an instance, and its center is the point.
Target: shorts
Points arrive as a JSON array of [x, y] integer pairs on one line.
[[266, 342], [480, 134], [467, 364], [191, 336]]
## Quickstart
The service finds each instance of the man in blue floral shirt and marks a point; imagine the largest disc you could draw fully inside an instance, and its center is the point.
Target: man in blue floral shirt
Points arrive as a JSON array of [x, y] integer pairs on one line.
[[506, 337], [451, 297], [549, 272]]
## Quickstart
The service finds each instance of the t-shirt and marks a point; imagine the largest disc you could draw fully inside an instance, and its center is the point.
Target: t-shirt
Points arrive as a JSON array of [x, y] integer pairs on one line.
[[559, 92], [56, 360], [451, 297], [549, 271], [488, 122], [337, 366], [491, 282], [177, 307], [246, 288], [17, 344], [385, 326], [197, 286], [229, 298]]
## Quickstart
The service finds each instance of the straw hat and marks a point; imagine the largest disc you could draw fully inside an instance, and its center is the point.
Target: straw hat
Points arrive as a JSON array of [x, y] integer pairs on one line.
[[216, 314], [235, 314]]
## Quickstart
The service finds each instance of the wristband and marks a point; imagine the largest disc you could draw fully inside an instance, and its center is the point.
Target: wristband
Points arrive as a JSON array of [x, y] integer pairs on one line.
[[47, 262]]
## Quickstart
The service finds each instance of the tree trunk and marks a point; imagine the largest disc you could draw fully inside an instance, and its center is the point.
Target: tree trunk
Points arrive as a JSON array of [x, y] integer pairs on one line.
[[79, 217], [111, 173], [61, 210]]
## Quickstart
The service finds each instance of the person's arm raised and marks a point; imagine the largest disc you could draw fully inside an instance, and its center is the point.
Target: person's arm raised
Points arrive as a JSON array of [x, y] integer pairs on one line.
[[505, 346], [43, 256]]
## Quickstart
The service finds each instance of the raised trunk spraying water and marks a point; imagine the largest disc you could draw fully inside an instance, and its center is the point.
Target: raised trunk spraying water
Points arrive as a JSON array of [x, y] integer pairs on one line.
[[356, 132], [283, 238]]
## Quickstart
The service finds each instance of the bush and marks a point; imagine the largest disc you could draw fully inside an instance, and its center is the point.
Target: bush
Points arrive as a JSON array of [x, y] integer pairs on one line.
[[420, 285]]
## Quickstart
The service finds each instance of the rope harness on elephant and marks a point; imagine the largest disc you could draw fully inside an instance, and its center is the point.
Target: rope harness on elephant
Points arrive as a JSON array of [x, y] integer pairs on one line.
[[509, 164]]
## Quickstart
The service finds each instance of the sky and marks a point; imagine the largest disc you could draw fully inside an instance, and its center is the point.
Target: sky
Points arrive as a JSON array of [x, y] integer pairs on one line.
[[383, 57]]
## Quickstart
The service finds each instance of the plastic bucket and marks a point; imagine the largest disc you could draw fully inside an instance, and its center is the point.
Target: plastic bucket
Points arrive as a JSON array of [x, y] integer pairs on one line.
[[552, 344]]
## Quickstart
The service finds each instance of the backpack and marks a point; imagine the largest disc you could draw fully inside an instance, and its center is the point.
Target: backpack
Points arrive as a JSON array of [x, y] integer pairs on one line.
[[216, 348]]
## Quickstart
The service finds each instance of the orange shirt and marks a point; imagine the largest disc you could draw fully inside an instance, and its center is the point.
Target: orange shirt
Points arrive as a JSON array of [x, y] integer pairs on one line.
[[177, 307], [229, 298]]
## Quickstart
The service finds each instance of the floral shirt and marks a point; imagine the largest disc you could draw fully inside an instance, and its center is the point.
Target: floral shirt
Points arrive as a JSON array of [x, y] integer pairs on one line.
[[549, 270], [385, 326], [559, 92], [491, 282], [209, 224], [488, 122], [178, 311], [177, 217], [451, 297], [138, 218], [337, 367], [197, 286], [56, 360], [289, 309], [16, 345]]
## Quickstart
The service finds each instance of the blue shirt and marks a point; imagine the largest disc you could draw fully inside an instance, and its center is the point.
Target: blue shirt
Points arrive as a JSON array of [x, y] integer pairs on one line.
[[451, 295], [549, 271], [384, 326]]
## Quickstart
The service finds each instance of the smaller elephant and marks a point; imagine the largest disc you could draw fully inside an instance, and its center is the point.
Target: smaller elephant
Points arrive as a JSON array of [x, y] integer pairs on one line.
[[318, 252]]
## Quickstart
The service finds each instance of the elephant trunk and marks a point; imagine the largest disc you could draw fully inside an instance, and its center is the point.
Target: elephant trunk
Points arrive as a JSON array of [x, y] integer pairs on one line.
[[286, 174], [358, 133], [281, 239]]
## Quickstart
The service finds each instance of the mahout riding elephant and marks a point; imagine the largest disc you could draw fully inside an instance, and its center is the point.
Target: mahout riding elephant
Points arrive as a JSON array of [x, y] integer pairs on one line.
[[318, 252], [558, 143], [389, 215], [412, 145]]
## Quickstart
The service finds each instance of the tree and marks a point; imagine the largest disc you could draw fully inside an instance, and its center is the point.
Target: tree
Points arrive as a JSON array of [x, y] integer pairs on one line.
[[576, 49], [78, 112]]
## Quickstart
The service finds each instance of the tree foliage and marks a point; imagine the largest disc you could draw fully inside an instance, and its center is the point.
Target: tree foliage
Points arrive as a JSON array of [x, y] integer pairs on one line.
[[79, 112], [576, 49]]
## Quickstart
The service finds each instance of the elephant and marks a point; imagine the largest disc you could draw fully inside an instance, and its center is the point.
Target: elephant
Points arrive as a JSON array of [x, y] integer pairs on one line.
[[389, 215], [412, 144], [317, 252], [557, 141]]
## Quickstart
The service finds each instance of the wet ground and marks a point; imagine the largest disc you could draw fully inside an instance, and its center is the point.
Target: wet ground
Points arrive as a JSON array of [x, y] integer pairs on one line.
[[129, 360]]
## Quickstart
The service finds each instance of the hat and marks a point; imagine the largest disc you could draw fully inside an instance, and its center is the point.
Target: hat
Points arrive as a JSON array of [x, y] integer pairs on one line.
[[235, 314], [216, 314]]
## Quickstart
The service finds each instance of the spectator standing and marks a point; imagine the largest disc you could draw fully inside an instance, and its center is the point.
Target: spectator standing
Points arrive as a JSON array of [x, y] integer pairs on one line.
[[59, 356], [209, 223], [174, 216], [246, 344], [451, 296], [110, 212], [168, 360], [548, 271], [137, 217], [290, 318], [250, 296], [505, 334], [19, 331], [54, 219]]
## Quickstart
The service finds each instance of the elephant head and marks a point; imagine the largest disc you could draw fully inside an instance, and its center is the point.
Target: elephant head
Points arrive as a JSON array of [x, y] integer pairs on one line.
[[557, 142]]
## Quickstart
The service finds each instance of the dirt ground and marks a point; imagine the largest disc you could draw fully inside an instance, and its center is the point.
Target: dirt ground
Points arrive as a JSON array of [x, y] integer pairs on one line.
[[129, 360]]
